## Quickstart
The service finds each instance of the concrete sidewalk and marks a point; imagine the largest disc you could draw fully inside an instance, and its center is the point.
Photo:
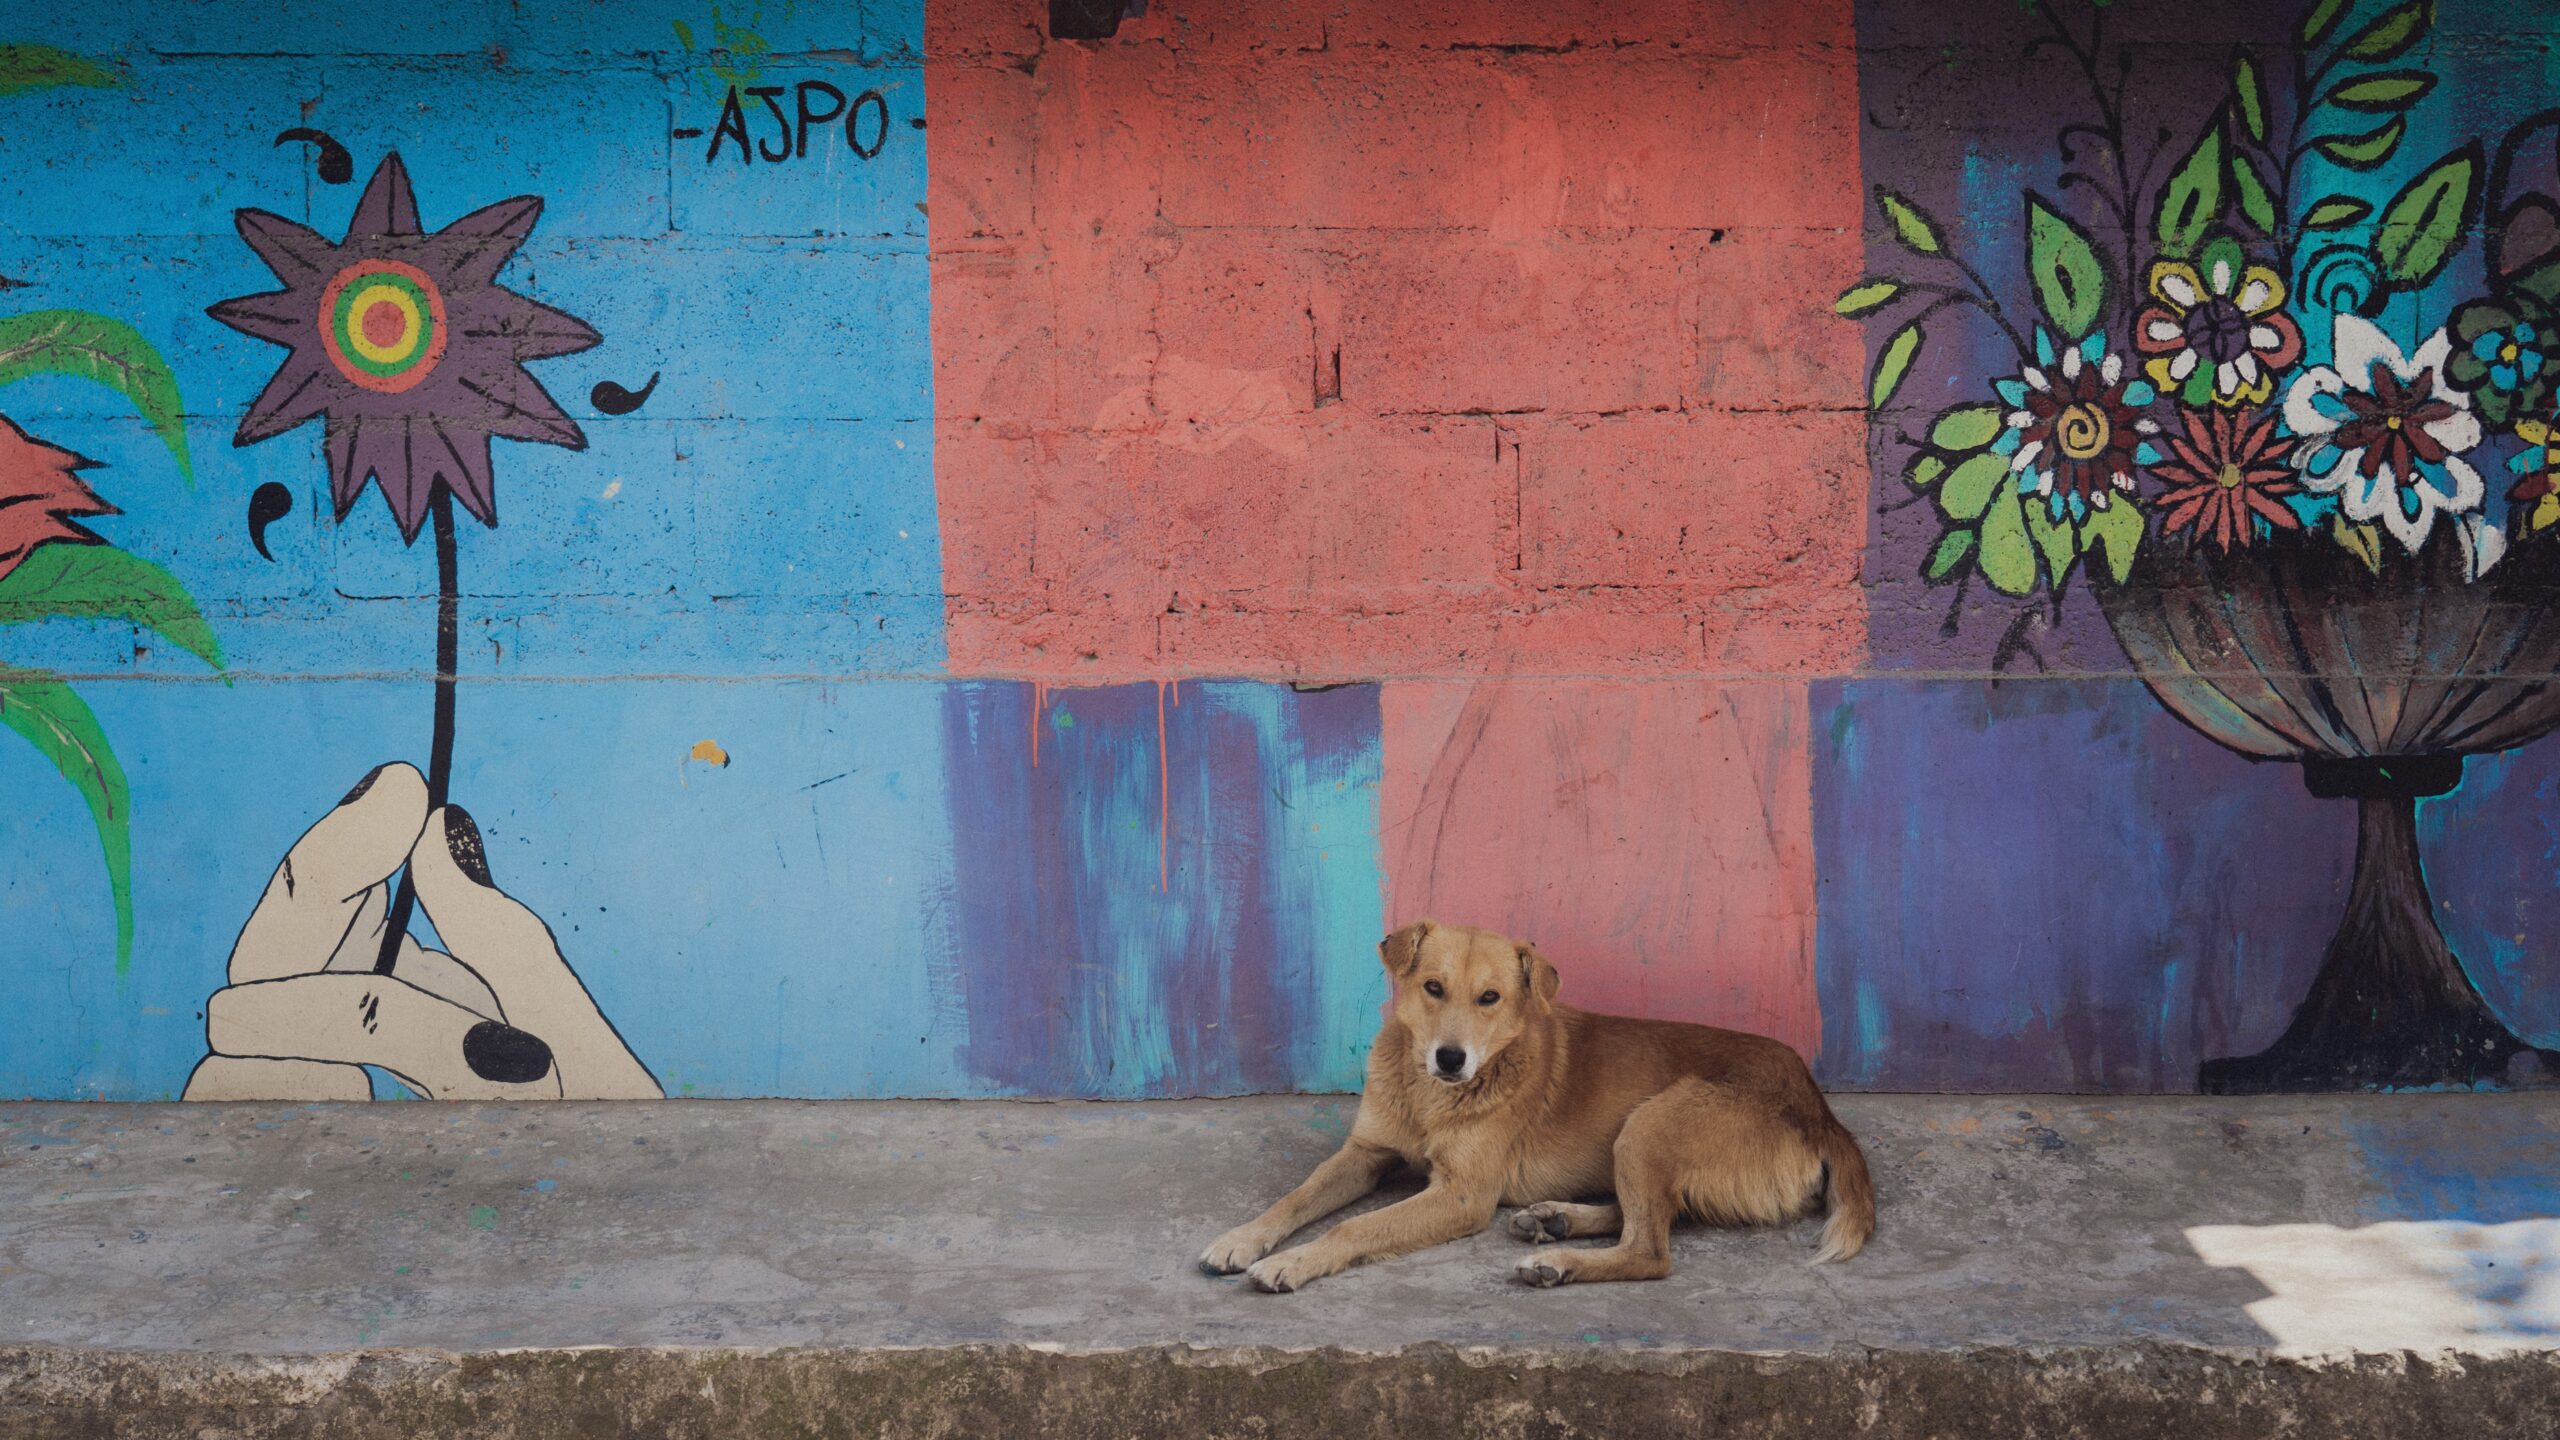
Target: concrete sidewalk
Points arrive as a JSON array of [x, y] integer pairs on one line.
[[2333, 1266]]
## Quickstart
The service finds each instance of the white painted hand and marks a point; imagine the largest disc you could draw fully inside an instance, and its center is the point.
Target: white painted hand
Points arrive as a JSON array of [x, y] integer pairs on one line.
[[502, 1017]]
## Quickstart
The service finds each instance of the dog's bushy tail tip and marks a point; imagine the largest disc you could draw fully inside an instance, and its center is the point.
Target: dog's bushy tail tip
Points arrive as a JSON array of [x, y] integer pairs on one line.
[[1849, 1195]]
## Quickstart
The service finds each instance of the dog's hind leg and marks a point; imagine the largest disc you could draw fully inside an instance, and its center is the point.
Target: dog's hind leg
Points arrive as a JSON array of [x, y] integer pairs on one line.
[[1700, 1148], [1562, 1220]]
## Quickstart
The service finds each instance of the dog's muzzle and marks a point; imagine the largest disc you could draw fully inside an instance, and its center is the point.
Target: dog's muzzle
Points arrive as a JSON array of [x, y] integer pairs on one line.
[[1449, 1063]]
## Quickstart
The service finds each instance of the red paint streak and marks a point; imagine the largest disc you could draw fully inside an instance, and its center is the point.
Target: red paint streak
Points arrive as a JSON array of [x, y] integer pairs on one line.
[[1654, 838], [1164, 796], [1039, 707]]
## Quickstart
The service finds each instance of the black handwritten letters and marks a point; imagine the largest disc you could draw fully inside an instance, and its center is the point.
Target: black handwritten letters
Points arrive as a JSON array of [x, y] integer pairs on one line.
[[776, 134]]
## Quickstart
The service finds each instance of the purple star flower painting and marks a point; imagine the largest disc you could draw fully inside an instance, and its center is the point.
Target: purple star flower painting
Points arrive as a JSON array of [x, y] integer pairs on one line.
[[414, 354], [408, 345]]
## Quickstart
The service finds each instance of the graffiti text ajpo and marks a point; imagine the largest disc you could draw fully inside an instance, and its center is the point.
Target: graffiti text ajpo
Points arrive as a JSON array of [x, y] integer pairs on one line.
[[867, 115]]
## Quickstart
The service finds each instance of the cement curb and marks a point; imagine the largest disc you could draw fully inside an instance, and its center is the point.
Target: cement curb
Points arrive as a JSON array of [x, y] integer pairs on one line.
[[1427, 1392]]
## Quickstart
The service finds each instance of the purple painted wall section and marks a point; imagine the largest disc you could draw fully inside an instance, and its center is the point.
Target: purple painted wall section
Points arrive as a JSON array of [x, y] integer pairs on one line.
[[1148, 896], [2106, 926], [2148, 901]]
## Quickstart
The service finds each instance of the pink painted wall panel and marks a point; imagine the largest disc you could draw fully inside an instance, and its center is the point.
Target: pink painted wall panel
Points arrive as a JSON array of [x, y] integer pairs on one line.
[[1655, 838], [1364, 341]]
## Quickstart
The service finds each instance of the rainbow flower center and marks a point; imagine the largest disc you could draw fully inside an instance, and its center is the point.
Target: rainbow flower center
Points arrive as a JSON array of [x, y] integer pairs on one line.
[[383, 324]]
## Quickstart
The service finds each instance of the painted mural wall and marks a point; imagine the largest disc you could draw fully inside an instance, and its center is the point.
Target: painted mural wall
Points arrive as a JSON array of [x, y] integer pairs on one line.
[[608, 550]]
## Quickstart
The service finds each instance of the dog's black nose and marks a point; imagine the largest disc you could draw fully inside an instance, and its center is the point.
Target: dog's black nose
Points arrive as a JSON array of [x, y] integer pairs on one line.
[[1451, 1061]]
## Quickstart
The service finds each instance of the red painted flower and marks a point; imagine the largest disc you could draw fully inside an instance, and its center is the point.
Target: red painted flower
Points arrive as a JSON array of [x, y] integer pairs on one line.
[[2226, 474], [2390, 424], [40, 496], [409, 346]]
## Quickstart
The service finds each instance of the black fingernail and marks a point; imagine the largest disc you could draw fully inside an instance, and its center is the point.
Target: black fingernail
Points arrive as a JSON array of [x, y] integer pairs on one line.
[[505, 1054], [366, 783], [462, 838]]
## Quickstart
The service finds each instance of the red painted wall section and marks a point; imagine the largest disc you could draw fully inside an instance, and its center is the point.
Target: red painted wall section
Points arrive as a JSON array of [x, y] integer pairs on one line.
[[1366, 340], [1654, 838]]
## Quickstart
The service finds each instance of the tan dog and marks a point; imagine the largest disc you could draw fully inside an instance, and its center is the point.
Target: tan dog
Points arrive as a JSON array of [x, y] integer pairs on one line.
[[1506, 1098]]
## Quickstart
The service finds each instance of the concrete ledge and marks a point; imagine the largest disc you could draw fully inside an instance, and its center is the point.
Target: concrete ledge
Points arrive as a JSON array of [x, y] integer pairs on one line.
[[2334, 1267], [1427, 1392]]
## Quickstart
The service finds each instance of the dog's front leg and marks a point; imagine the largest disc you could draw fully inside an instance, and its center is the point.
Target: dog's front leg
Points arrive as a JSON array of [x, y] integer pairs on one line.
[[1441, 1213], [1345, 1176]]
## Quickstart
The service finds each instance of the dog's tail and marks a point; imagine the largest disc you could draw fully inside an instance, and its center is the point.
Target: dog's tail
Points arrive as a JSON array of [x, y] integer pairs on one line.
[[1847, 1193]]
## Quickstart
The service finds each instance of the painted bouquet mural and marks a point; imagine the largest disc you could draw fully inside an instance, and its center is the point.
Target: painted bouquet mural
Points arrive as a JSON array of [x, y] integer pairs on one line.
[[2278, 388]]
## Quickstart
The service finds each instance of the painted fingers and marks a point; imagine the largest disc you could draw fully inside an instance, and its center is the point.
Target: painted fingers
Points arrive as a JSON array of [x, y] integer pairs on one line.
[[502, 1017]]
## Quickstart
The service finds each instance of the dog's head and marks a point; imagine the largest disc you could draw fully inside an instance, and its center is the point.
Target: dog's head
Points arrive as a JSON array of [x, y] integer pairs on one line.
[[1464, 995]]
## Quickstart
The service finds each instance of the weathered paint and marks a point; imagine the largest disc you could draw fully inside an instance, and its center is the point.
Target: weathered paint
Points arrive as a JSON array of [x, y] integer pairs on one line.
[[897, 701]]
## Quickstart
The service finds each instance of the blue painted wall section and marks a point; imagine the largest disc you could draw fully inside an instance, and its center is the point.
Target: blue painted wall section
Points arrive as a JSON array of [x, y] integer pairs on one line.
[[1151, 887]]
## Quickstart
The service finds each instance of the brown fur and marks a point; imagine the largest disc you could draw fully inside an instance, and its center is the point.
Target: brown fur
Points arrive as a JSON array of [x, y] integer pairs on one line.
[[1558, 1106]]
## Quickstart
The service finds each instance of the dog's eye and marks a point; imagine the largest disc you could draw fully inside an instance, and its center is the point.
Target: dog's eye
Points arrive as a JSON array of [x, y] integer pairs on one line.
[[1490, 997], [1432, 989]]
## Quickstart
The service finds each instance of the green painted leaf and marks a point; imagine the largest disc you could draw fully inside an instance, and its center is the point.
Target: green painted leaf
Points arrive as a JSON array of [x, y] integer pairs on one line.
[[1967, 427], [2117, 531], [2008, 555], [1969, 489], [2253, 101], [2316, 24], [41, 67], [684, 35], [101, 582], [2071, 283], [1892, 363], [2056, 541], [1924, 470], [95, 347], [2335, 212], [1915, 229], [58, 723], [2191, 199], [2391, 33], [1867, 296], [1954, 548], [2425, 223], [2366, 151], [2381, 91], [2255, 202]]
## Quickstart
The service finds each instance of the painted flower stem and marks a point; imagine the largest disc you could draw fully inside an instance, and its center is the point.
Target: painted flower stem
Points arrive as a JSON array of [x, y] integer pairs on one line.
[[440, 741]]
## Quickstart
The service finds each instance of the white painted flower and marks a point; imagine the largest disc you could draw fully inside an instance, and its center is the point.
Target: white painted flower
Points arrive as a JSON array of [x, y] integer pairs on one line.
[[2383, 433]]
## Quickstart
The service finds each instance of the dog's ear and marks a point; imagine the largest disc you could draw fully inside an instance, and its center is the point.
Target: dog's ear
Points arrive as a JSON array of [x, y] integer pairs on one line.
[[1399, 951], [1537, 977]]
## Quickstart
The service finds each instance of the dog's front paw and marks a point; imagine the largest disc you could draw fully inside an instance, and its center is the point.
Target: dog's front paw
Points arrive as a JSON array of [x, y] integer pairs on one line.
[[1233, 1251], [1540, 1224], [1287, 1271], [1542, 1272]]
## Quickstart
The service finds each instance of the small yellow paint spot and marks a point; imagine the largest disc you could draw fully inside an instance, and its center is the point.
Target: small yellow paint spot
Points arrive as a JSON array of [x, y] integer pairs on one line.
[[709, 752], [613, 489]]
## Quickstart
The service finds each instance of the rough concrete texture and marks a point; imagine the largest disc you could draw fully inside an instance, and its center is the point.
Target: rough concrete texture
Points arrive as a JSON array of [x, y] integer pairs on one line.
[[2042, 1267], [1348, 340]]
